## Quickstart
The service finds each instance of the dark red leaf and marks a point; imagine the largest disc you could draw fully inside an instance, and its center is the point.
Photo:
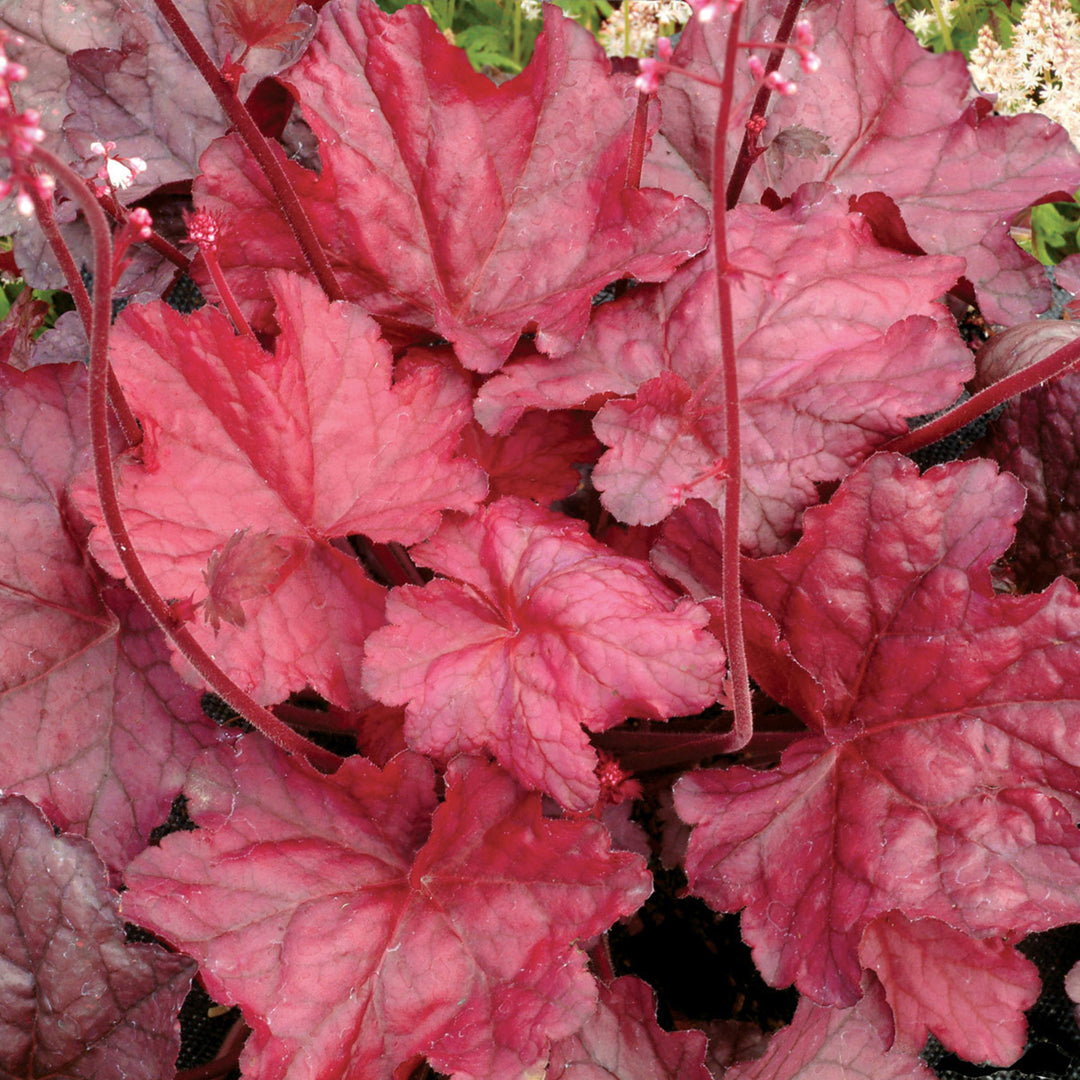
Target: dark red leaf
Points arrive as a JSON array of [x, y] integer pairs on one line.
[[76, 1000]]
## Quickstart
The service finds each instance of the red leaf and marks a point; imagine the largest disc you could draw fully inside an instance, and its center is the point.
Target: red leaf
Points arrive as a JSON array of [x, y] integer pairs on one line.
[[538, 460], [835, 1044], [540, 631], [898, 119], [838, 341], [971, 994], [378, 924], [941, 779], [310, 443], [76, 1000], [441, 194], [262, 24], [86, 693], [623, 1041], [1035, 440]]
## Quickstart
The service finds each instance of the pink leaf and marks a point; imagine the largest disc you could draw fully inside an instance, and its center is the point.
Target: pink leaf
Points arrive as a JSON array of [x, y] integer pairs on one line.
[[971, 994], [897, 119], [441, 194], [378, 923], [823, 1043], [87, 697], [622, 1041], [310, 443], [540, 630], [838, 341], [76, 1000], [941, 777]]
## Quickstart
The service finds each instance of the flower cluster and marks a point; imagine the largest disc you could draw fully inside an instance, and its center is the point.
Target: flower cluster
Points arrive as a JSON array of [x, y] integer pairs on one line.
[[633, 29], [1040, 71], [19, 133]]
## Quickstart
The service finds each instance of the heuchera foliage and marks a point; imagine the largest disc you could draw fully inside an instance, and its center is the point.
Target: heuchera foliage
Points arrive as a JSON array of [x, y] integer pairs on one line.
[[408, 483]]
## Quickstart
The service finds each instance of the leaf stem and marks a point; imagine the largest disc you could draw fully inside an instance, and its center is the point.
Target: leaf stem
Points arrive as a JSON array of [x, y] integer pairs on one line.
[[204, 664], [260, 148], [986, 399]]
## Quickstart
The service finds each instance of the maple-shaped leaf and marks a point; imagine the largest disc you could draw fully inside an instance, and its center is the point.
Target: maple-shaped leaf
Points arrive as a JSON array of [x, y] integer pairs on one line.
[[310, 443], [828, 1043], [249, 565], [87, 696], [76, 1000], [539, 631], [837, 341], [897, 119], [971, 994], [265, 24], [623, 1041], [447, 203], [942, 777], [1034, 438], [356, 918]]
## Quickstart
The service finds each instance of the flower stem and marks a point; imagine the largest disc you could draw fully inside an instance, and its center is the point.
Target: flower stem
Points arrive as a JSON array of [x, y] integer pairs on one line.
[[730, 554], [104, 474], [749, 152], [83, 304], [260, 148]]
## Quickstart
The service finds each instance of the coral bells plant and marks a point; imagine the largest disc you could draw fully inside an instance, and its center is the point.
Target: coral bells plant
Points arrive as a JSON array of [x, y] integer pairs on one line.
[[533, 494]]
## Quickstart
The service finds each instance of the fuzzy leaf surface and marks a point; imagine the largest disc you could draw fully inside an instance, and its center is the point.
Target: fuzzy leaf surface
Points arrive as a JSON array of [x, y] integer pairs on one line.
[[537, 631], [823, 1043], [76, 1000], [379, 923], [311, 442], [87, 696], [898, 119], [949, 793], [623, 1041], [837, 341], [971, 994], [448, 204]]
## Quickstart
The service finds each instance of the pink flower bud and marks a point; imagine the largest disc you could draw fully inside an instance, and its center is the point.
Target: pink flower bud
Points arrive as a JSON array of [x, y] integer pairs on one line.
[[757, 68], [141, 222], [648, 80], [664, 49], [775, 81], [804, 34], [810, 62]]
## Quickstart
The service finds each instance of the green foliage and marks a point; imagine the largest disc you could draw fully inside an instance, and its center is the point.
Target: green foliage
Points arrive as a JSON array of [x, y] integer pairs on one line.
[[1055, 231], [500, 34]]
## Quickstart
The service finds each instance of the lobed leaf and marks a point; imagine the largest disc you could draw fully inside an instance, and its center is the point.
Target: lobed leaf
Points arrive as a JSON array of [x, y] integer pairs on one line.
[[449, 205], [942, 773], [312, 443], [356, 918], [539, 631]]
